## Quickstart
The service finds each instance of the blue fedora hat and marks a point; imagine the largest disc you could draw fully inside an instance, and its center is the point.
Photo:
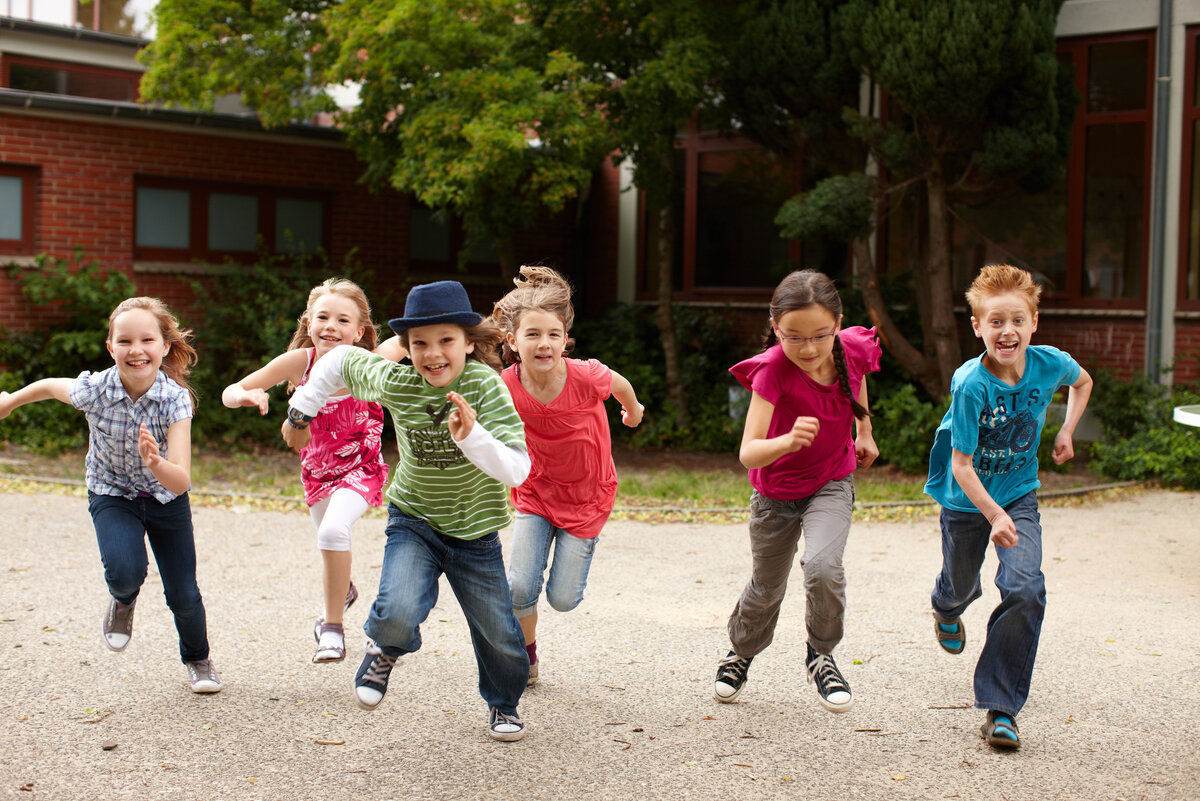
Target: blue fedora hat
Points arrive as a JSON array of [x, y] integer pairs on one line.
[[439, 303]]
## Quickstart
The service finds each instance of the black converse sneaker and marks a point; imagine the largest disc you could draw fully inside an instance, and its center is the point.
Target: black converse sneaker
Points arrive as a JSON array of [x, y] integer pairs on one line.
[[834, 692], [505, 728], [731, 677], [370, 683]]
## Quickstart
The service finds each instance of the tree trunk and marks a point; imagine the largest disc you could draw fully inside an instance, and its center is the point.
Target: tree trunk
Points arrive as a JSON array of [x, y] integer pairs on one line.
[[914, 361], [665, 317], [943, 348], [506, 250]]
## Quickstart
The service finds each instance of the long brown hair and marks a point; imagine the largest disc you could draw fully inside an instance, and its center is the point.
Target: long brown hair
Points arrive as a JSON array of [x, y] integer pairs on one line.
[[800, 290], [538, 289], [180, 355], [485, 335]]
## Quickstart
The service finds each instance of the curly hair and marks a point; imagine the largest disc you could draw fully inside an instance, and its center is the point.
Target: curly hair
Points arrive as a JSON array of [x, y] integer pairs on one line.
[[538, 289]]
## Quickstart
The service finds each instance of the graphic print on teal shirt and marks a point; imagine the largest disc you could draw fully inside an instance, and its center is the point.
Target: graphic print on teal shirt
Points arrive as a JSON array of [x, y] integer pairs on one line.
[[1008, 430]]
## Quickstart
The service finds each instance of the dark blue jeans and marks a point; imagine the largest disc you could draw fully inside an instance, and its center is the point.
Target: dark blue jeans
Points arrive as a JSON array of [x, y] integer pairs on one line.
[[414, 558], [1006, 662], [122, 526]]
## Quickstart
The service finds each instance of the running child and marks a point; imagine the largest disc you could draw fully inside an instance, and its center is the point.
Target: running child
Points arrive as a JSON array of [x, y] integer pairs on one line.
[[983, 470], [806, 390], [342, 468], [139, 460], [461, 443], [571, 487]]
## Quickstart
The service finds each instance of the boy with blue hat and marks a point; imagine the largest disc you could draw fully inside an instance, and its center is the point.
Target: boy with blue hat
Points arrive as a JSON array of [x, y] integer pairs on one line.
[[461, 445]]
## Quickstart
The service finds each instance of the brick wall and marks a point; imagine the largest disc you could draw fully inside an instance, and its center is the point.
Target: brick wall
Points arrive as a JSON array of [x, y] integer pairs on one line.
[[85, 196]]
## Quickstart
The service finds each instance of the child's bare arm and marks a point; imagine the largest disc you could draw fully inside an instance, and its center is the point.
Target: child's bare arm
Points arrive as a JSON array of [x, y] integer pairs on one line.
[[631, 410], [1004, 531], [174, 472], [391, 349], [252, 390], [865, 449], [759, 451], [1077, 400], [45, 389]]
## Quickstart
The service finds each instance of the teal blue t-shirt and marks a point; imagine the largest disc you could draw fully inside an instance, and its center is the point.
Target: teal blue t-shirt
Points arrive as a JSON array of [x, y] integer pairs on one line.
[[1000, 425]]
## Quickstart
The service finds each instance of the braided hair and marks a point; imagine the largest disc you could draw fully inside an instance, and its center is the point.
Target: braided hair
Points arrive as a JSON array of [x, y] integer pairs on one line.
[[804, 288]]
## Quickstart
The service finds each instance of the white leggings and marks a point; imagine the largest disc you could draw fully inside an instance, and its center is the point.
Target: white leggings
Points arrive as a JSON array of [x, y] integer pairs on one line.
[[334, 515]]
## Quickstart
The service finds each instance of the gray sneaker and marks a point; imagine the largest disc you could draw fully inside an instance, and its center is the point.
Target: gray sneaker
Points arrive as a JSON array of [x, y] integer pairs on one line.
[[203, 676], [117, 626]]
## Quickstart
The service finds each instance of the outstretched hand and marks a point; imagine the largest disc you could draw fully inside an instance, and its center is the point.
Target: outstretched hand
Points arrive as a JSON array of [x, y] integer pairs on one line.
[[148, 447], [296, 438], [257, 397], [462, 419]]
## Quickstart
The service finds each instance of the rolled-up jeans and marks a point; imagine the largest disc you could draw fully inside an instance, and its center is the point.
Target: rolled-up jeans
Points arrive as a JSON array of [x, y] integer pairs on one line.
[[1005, 665], [775, 530]]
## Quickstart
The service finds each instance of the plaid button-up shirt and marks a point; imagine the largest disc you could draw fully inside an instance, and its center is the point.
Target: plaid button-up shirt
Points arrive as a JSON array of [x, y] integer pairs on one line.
[[114, 466]]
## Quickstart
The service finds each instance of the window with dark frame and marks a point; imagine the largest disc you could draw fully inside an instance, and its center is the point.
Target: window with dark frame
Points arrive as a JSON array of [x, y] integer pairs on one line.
[[17, 192], [64, 78], [180, 220], [1188, 296], [435, 241], [1083, 237]]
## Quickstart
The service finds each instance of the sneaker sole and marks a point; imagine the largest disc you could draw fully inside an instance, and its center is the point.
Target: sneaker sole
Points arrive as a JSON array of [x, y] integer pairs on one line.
[[206, 690], [729, 699], [506, 736], [837, 708]]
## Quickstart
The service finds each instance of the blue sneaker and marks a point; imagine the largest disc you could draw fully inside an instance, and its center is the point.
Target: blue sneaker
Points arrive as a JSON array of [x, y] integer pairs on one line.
[[371, 680]]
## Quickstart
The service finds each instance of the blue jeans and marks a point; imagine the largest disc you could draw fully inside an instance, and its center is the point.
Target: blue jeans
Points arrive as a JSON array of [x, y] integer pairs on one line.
[[533, 536], [1006, 661], [122, 526], [414, 558]]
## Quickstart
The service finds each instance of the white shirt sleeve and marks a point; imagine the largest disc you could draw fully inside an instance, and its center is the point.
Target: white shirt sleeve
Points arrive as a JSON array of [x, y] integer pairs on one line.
[[508, 464], [324, 379]]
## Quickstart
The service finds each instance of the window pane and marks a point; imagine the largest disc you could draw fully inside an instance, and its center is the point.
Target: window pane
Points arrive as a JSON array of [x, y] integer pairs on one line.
[[232, 222], [163, 218], [129, 17], [1028, 231], [653, 224], [428, 234], [1192, 281], [1113, 202], [1117, 75], [11, 213], [737, 241], [299, 225], [51, 80]]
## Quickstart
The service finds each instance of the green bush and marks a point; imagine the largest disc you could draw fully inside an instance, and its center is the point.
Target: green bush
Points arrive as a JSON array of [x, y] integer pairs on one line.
[[245, 316], [1140, 439], [85, 296], [627, 340]]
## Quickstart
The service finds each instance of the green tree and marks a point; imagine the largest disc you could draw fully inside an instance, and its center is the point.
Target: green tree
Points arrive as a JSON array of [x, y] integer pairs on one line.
[[463, 106], [979, 108]]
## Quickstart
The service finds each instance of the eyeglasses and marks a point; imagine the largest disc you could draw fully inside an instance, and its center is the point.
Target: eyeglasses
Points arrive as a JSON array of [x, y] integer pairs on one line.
[[819, 339]]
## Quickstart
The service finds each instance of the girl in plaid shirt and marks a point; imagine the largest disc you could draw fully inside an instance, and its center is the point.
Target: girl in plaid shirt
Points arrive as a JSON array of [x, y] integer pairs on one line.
[[139, 414]]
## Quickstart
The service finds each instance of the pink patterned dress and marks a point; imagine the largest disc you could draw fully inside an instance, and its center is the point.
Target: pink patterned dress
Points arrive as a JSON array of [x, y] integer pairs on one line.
[[345, 450]]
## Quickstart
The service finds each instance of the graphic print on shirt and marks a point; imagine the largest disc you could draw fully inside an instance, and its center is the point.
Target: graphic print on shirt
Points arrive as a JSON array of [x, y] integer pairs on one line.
[[432, 445], [1006, 434]]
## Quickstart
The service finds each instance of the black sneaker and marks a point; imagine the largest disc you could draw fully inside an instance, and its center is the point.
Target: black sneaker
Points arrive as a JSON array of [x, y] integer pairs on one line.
[[370, 683], [731, 677], [117, 626], [834, 692], [505, 728]]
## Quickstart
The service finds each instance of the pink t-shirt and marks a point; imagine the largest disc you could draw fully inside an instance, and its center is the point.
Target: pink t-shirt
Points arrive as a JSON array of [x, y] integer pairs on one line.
[[345, 449], [573, 481], [779, 381]]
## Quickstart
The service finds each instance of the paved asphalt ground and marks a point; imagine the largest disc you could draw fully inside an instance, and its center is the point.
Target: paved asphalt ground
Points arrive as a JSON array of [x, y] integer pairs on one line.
[[624, 709]]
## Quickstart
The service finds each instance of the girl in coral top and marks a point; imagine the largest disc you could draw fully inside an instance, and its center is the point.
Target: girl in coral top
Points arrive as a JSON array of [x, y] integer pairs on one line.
[[570, 490]]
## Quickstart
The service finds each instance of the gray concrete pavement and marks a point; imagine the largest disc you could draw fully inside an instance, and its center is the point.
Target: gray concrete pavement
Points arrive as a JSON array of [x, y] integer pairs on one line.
[[624, 708]]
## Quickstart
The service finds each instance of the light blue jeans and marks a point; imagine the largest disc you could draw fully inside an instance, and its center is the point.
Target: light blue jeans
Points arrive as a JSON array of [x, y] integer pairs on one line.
[[1005, 664], [533, 537], [414, 558]]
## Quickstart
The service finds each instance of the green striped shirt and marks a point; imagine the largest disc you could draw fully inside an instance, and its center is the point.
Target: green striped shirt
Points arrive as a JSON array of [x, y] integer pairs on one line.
[[433, 480]]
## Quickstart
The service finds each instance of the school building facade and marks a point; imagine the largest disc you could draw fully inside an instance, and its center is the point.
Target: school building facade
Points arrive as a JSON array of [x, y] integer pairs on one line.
[[161, 194]]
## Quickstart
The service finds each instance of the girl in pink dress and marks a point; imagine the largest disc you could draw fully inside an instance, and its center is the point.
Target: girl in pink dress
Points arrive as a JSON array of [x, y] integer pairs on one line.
[[342, 469], [572, 484]]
